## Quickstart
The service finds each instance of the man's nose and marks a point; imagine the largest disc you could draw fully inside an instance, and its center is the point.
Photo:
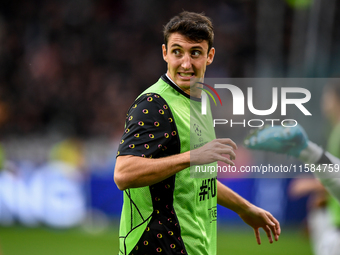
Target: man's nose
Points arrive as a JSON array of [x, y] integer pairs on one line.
[[186, 62]]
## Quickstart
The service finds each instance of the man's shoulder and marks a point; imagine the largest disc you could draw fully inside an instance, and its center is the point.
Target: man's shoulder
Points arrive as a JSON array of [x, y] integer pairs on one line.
[[152, 97], [157, 88]]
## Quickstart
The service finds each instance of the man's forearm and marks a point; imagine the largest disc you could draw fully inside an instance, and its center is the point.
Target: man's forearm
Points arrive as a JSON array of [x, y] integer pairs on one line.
[[134, 171], [329, 174], [231, 200]]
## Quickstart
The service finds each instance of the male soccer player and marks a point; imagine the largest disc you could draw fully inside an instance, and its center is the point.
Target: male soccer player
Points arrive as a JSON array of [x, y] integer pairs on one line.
[[165, 210]]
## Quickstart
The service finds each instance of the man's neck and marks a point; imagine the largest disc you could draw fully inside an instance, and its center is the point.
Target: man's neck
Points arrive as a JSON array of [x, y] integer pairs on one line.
[[171, 80], [198, 96]]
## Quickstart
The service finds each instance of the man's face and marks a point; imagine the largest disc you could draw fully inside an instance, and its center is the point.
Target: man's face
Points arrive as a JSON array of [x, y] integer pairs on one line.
[[186, 59]]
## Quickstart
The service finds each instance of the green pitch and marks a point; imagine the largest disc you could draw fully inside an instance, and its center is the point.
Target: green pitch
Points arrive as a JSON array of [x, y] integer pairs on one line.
[[242, 242], [44, 241]]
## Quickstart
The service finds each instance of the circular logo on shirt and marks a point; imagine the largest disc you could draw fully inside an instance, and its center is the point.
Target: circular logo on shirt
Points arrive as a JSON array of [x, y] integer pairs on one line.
[[197, 130]]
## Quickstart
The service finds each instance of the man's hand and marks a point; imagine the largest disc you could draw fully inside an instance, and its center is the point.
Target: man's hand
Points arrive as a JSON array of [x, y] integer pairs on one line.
[[252, 215], [258, 218], [214, 151]]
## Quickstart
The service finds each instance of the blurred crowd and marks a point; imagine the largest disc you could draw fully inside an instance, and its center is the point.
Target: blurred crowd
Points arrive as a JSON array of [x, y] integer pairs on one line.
[[74, 67]]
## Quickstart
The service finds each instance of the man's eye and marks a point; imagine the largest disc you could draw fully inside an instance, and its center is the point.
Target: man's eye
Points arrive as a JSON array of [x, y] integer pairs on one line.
[[176, 52], [196, 53]]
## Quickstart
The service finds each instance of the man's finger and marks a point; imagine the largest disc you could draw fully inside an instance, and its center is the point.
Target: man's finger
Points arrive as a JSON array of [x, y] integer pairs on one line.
[[269, 233], [257, 235], [275, 228], [227, 151], [270, 227], [227, 141], [225, 160]]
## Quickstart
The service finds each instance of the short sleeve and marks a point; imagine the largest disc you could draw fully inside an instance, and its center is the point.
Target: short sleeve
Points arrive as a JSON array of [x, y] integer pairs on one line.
[[150, 130]]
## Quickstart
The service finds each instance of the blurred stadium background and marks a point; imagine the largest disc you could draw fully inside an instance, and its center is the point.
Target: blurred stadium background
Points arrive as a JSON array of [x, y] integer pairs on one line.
[[69, 70]]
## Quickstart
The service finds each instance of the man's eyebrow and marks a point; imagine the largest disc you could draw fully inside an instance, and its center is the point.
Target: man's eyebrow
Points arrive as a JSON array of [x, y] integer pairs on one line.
[[175, 45], [197, 47], [194, 47]]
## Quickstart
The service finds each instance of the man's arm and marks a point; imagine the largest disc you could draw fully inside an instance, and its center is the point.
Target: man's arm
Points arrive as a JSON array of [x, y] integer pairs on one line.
[[330, 174], [252, 215], [133, 171]]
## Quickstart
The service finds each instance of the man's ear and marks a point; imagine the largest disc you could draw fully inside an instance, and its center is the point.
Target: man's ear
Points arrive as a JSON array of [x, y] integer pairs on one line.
[[211, 55], [165, 55]]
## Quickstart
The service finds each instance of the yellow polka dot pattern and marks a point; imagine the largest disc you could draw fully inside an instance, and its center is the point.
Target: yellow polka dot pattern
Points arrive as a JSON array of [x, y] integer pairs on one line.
[[147, 119]]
